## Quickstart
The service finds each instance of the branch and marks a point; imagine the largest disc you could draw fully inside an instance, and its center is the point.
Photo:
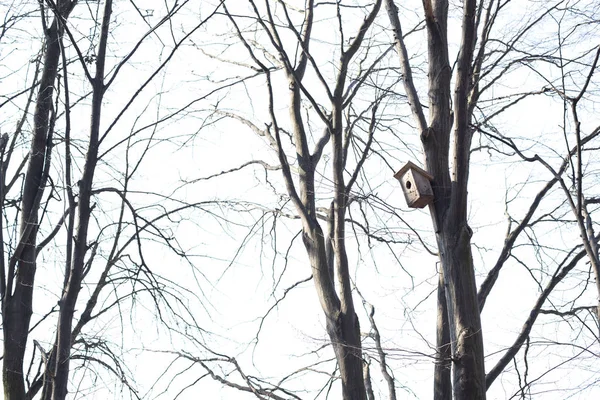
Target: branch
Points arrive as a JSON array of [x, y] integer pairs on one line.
[[382, 363], [573, 312], [509, 242], [366, 151], [409, 86], [533, 314], [55, 231], [352, 49], [259, 392], [285, 166], [462, 118]]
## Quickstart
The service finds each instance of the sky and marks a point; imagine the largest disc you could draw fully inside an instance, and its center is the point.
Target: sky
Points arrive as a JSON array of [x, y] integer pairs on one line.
[[240, 257]]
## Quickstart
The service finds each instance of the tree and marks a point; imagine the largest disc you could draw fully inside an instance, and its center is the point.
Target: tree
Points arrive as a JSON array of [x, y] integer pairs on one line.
[[478, 66], [458, 291], [327, 253], [102, 246], [18, 282]]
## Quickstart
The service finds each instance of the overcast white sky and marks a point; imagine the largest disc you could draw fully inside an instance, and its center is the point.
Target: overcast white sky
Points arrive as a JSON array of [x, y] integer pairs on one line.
[[235, 288]]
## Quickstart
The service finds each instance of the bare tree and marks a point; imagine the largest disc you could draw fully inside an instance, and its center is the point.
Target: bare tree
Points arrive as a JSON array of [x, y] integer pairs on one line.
[[20, 272], [449, 210], [481, 62], [323, 142], [327, 253], [59, 194]]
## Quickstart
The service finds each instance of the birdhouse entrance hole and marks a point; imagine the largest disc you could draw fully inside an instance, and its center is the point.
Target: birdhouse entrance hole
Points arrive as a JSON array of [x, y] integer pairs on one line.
[[408, 184]]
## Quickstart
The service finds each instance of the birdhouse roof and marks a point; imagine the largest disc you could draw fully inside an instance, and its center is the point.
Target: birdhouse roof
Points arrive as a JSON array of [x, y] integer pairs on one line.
[[411, 165]]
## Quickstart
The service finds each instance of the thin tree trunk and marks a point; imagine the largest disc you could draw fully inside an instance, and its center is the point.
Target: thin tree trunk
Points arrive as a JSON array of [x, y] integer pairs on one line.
[[367, 378], [73, 287], [442, 386]]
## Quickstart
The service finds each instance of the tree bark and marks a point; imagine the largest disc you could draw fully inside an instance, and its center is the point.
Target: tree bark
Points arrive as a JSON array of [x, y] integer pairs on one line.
[[442, 386]]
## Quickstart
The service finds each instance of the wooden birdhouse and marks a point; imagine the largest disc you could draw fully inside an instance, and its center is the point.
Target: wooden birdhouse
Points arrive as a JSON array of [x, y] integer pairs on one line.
[[416, 185]]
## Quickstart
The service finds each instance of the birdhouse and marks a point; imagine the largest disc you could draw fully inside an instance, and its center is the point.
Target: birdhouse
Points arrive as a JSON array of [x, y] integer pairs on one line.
[[416, 185]]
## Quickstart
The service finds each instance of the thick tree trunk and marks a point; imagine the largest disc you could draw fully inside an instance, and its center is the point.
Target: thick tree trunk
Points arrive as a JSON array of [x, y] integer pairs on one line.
[[459, 272], [465, 324], [17, 303], [345, 336], [342, 327]]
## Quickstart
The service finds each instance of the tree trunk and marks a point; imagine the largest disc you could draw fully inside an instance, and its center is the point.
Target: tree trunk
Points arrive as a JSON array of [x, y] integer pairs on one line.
[[328, 261], [442, 386], [17, 303], [449, 209], [84, 210], [465, 324], [342, 327]]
